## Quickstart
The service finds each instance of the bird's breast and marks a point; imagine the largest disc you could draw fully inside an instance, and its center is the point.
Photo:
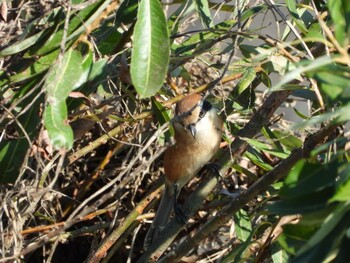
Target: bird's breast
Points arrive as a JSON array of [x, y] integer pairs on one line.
[[183, 160]]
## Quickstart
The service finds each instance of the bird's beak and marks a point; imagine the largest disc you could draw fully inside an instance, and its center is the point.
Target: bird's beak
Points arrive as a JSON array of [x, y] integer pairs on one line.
[[193, 130]]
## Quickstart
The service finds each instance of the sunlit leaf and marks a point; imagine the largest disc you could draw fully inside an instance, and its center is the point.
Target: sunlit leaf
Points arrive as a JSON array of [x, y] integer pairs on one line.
[[278, 255], [340, 13], [202, 8], [66, 75], [291, 4], [34, 39], [201, 39], [247, 78], [343, 193], [295, 74], [265, 147], [151, 50], [22, 45], [253, 11], [256, 159], [77, 25], [300, 114], [163, 117], [306, 178], [338, 116]]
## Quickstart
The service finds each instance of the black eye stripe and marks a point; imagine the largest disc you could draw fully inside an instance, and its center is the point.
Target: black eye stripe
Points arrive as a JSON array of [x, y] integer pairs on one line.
[[205, 107]]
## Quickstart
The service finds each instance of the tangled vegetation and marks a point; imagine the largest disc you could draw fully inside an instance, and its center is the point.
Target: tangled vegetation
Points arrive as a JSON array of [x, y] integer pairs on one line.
[[87, 89]]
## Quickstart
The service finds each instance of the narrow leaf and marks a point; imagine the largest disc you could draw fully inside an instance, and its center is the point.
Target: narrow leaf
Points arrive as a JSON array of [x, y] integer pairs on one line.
[[295, 74], [22, 45], [13, 151], [151, 50], [162, 116], [202, 8], [300, 114], [291, 4], [329, 225], [340, 12], [77, 25]]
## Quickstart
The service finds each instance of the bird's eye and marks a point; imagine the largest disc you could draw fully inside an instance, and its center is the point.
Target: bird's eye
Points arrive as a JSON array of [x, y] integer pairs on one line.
[[205, 107], [201, 114]]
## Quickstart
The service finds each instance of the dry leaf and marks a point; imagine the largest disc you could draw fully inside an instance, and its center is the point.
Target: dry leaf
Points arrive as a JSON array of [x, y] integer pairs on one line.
[[3, 11]]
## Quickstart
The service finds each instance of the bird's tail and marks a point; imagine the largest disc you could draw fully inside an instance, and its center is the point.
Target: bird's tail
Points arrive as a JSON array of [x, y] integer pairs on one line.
[[162, 217]]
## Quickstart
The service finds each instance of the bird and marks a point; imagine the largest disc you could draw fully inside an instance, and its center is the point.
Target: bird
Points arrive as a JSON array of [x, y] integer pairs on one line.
[[198, 131]]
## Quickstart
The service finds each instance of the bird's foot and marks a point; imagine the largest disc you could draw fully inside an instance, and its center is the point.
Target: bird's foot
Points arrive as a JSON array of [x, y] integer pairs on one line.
[[215, 168]]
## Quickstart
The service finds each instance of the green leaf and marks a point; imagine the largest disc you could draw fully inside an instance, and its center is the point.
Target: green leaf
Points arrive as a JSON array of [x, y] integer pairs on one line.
[[151, 50], [202, 8], [340, 13], [241, 252], [24, 44], [245, 171], [201, 41], [287, 139], [97, 74], [66, 75], [302, 68], [163, 117], [343, 190], [265, 147], [247, 78], [36, 38], [127, 12], [77, 25], [279, 64], [330, 223], [306, 178], [334, 82], [37, 68], [300, 114], [107, 38], [256, 159], [299, 231], [338, 116], [307, 188], [291, 4], [60, 133], [243, 226], [174, 21], [278, 255], [13, 152], [253, 11], [242, 96], [343, 194]]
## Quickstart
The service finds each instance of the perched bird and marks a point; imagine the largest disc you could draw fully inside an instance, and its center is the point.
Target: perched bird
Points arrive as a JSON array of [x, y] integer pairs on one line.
[[198, 131]]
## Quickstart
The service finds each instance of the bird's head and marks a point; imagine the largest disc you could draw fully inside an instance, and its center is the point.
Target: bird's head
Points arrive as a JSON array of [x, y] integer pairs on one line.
[[189, 111]]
